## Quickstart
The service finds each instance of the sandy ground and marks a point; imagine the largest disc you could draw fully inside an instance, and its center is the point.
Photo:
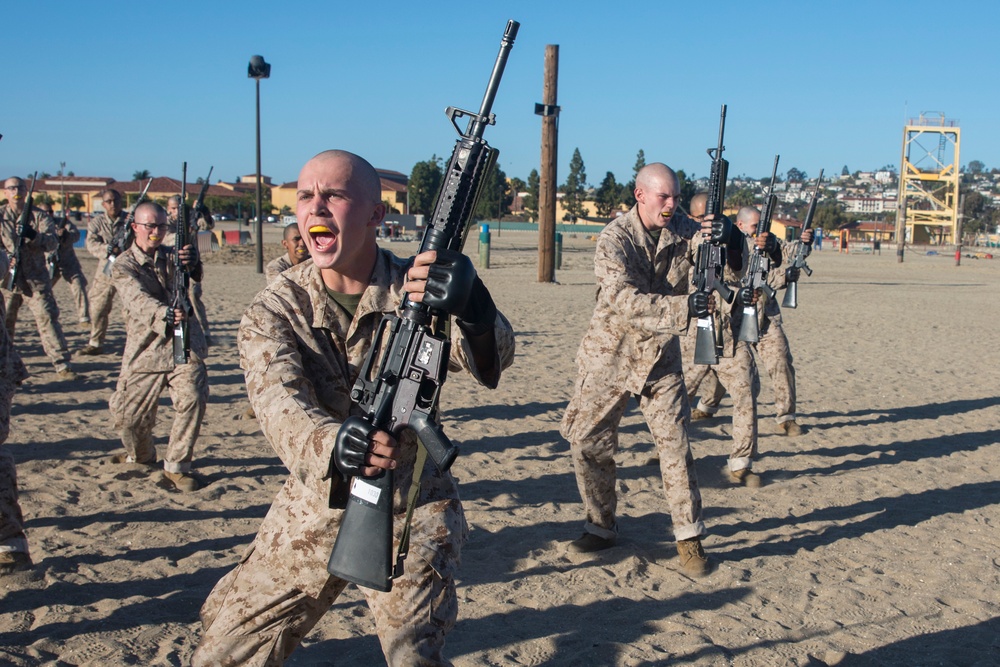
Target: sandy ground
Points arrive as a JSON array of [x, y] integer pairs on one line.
[[874, 541]]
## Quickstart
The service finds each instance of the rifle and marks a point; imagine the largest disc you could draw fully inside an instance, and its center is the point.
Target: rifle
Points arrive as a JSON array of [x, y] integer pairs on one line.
[[791, 299], [756, 276], [400, 389], [182, 280], [22, 223], [710, 261], [124, 234], [199, 203]]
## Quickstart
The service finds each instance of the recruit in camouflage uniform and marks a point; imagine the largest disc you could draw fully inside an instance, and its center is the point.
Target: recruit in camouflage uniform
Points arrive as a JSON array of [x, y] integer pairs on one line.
[[68, 267], [632, 348], [735, 372], [14, 554], [301, 352], [100, 232], [772, 347], [145, 284], [295, 253], [33, 282]]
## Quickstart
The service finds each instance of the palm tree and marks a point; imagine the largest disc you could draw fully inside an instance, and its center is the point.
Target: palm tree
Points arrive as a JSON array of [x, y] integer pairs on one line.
[[140, 175]]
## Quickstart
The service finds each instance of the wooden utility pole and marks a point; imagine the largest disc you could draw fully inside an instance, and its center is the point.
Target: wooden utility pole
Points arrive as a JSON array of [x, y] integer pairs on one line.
[[547, 174]]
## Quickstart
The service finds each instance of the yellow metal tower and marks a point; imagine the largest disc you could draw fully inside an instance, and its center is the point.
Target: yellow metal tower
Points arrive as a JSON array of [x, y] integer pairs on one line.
[[928, 181]]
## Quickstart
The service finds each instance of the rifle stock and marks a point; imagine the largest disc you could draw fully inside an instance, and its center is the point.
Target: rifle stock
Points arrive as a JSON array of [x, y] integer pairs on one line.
[[791, 299], [14, 272], [756, 276], [400, 389]]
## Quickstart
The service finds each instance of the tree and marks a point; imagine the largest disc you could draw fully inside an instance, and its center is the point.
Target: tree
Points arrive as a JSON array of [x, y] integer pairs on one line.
[[628, 190], [845, 171], [531, 200], [740, 198], [829, 216], [75, 201], [425, 180], [608, 195], [516, 186], [575, 188], [688, 190], [795, 175], [976, 167], [140, 174], [493, 200], [976, 212]]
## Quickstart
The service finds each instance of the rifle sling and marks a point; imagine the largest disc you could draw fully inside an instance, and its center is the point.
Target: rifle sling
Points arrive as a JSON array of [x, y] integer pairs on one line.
[[411, 504]]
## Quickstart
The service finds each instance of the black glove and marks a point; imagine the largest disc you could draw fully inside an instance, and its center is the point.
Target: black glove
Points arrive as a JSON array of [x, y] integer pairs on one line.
[[792, 274], [449, 282], [745, 297], [721, 230], [480, 314], [351, 446], [771, 244], [698, 304]]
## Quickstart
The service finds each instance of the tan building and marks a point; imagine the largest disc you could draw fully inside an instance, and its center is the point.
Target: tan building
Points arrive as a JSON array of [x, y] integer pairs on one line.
[[89, 189]]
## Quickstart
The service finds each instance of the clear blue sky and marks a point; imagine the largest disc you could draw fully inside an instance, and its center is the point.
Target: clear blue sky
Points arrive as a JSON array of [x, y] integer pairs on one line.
[[113, 87]]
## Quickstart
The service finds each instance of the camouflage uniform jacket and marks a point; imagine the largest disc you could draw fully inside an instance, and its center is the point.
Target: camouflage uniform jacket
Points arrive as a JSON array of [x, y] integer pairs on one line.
[[776, 279], [33, 269], [276, 266], [641, 300], [145, 285], [12, 368], [301, 354], [100, 232]]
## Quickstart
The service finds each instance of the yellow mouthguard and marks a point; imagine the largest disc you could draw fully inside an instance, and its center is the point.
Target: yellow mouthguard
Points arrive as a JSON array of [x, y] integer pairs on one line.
[[318, 229]]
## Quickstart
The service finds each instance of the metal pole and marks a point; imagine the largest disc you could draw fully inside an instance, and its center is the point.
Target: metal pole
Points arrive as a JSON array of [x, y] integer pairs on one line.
[[260, 216]]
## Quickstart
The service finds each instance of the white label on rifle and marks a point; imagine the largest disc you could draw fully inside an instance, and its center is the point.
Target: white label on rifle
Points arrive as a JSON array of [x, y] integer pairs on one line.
[[365, 491], [704, 323]]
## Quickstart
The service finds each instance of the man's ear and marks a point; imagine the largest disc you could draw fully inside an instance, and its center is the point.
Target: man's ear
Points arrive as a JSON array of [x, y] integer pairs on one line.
[[378, 215]]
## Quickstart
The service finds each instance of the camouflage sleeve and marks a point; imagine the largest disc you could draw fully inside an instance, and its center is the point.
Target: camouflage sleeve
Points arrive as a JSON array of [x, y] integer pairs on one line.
[[140, 303], [655, 314], [72, 233], [776, 276], [96, 244], [46, 239], [4, 262], [283, 397]]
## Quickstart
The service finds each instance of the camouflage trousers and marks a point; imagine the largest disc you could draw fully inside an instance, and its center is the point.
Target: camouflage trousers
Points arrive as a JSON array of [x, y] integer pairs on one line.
[[43, 307], [591, 426], [102, 299], [260, 611], [776, 357], [78, 287], [134, 406], [737, 375], [12, 536]]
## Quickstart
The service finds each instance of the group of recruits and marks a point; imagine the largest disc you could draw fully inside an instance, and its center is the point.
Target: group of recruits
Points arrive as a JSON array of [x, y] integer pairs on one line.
[[302, 342]]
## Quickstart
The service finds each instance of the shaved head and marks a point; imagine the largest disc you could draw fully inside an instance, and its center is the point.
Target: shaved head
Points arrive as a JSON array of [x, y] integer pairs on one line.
[[655, 173], [698, 206], [362, 174]]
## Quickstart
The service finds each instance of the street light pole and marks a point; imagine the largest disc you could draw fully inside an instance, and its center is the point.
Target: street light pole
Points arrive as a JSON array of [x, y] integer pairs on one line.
[[258, 70]]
